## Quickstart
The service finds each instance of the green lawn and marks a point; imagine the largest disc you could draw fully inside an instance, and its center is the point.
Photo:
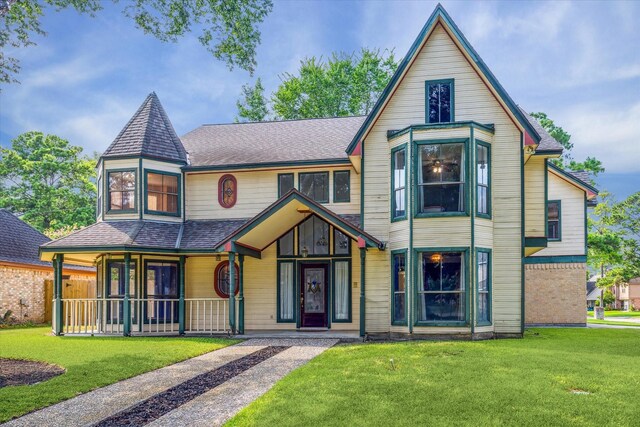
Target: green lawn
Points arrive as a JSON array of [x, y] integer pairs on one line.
[[501, 382], [90, 362], [616, 313], [612, 322]]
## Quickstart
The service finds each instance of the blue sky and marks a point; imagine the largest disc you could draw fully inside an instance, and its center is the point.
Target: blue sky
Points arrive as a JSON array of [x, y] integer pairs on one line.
[[579, 62]]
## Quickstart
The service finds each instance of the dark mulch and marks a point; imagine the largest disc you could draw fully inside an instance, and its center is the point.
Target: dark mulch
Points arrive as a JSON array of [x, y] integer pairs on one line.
[[23, 372], [162, 403]]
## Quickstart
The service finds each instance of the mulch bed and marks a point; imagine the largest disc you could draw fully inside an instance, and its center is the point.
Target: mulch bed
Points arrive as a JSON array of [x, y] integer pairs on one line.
[[24, 372], [162, 403]]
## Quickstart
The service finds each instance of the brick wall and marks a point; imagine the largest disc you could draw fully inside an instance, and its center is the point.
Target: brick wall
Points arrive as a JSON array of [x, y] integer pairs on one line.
[[19, 284], [555, 293]]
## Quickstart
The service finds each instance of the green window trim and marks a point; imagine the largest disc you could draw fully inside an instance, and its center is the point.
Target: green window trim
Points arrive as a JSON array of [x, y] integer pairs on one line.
[[394, 150], [302, 174], [416, 266], [100, 196], [108, 209], [335, 253], [148, 211], [559, 238], [402, 322], [451, 83], [333, 291], [416, 186], [294, 316], [348, 198], [488, 186], [489, 286], [293, 183]]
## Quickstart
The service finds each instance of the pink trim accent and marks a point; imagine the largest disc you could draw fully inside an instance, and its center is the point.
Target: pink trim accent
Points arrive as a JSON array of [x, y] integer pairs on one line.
[[227, 246], [528, 140], [361, 243], [358, 150]]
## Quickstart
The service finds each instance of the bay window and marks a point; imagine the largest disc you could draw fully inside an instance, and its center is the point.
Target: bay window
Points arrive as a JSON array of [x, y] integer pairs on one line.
[[163, 193], [398, 288], [483, 296], [483, 173], [441, 288], [441, 178], [122, 190], [398, 183]]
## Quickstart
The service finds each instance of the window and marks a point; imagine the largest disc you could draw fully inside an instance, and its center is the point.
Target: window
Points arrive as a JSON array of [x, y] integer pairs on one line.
[[483, 274], [441, 288], [99, 278], [554, 231], [285, 245], [227, 191], [122, 190], [313, 237], [341, 186], [483, 176], [99, 207], [221, 280], [163, 193], [341, 243], [341, 291], [286, 292], [441, 178], [315, 186], [439, 101], [398, 289], [115, 279], [398, 183], [161, 279], [285, 183]]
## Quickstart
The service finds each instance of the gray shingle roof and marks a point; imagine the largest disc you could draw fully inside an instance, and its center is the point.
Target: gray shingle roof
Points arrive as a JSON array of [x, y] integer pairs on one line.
[[148, 133], [19, 241], [148, 234], [271, 142], [581, 175], [547, 142]]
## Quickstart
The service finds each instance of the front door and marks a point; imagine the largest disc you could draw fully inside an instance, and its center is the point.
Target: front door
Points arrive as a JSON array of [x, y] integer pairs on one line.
[[313, 295]]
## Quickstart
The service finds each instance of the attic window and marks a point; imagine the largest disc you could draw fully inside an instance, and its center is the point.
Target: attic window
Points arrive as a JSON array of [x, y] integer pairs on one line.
[[227, 191], [439, 94]]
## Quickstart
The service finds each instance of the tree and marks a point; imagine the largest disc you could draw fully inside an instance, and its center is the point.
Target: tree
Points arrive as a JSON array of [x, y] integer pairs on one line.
[[590, 164], [345, 85], [253, 106], [228, 28], [48, 181]]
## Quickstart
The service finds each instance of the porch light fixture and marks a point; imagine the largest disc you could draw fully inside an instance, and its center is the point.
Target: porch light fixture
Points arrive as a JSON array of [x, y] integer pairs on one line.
[[436, 258], [437, 167], [305, 252]]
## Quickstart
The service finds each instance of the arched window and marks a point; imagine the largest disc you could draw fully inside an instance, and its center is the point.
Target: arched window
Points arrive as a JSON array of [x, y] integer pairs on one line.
[[227, 191], [221, 280]]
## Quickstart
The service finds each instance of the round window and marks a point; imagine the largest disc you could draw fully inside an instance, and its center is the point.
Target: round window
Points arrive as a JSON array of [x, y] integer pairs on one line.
[[221, 280], [227, 191]]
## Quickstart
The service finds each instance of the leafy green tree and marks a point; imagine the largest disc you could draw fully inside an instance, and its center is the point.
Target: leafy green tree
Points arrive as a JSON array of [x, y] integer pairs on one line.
[[228, 28], [608, 298], [345, 85], [253, 106], [590, 164], [48, 181]]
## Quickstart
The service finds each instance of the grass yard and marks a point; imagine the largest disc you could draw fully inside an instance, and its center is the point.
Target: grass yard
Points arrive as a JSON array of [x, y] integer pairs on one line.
[[616, 313], [90, 362], [500, 382], [612, 322]]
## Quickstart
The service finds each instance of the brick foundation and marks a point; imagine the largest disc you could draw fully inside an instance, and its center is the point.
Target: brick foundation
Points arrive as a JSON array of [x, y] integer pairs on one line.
[[22, 291], [555, 294]]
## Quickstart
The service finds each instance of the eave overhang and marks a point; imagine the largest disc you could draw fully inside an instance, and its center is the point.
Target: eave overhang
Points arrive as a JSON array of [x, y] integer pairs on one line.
[[590, 190]]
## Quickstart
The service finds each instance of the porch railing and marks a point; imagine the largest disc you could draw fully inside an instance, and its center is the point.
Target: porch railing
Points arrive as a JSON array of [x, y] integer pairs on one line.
[[147, 315]]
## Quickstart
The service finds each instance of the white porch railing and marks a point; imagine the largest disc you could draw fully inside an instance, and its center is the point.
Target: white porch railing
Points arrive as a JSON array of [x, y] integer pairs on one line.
[[147, 315]]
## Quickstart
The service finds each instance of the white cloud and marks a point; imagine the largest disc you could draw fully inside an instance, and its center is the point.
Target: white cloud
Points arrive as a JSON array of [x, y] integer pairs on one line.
[[607, 133]]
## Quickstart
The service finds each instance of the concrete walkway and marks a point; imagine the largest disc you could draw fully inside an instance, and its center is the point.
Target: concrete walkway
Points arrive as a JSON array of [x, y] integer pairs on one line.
[[211, 408]]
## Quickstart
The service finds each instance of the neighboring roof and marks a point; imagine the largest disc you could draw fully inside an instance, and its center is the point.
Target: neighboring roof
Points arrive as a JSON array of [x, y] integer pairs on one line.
[[574, 179], [591, 285], [192, 235], [149, 133], [279, 142], [19, 242], [593, 292], [440, 14], [547, 142]]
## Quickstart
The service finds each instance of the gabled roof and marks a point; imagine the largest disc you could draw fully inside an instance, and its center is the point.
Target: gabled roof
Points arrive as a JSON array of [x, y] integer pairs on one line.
[[441, 15], [270, 143], [149, 133], [547, 144], [573, 179]]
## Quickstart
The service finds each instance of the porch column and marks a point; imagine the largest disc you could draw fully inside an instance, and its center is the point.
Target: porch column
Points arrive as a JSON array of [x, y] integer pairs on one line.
[[57, 292], [126, 308], [181, 310], [232, 292], [241, 295], [363, 256]]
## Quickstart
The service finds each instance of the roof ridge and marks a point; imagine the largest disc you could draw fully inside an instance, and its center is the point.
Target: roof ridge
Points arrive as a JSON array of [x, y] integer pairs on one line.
[[126, 127], [284, 120], [135, 232]]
